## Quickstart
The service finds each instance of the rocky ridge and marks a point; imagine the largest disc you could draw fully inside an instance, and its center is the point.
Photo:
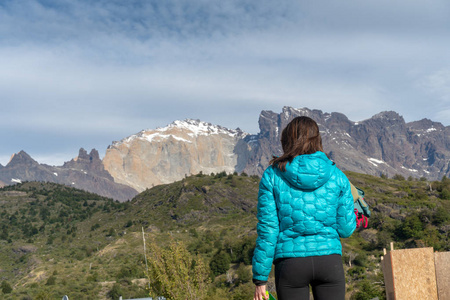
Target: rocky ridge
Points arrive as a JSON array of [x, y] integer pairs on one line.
[[383, 144], [83, 172]]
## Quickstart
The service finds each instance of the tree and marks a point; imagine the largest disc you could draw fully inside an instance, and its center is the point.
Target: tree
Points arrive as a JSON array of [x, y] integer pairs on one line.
[[243, 273], [43, 295], [6, 287], [411, 227], [243, 292], [445, 194], [115, 292], [441, 216], [368, 290], [51, 280], [220, 263], [175, 273], [398, 177]]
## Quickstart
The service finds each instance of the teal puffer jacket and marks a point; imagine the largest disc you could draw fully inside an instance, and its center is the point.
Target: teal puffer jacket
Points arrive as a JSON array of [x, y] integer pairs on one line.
[[302, 212]]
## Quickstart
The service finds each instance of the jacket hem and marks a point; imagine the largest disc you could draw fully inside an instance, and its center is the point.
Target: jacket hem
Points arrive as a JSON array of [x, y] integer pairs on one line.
[[307, 254]]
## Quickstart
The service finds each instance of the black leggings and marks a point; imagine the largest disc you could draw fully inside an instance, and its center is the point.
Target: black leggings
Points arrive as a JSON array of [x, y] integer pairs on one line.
[[325, 274]]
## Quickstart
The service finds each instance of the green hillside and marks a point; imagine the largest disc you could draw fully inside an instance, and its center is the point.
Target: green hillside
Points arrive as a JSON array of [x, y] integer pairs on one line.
[[56, 240]]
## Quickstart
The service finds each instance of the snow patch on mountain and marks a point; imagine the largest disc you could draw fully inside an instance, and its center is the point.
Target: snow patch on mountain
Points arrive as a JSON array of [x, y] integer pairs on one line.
[[375, 161], [411, 170], [155, 136], [429, 130], [197, 127], [178, 131]]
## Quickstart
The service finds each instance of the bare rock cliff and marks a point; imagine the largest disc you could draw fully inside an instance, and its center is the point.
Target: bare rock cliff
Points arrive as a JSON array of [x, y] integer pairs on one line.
[[164, 155]]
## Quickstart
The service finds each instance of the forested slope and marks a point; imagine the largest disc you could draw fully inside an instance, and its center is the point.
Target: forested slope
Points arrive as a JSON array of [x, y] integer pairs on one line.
[[57, 240]]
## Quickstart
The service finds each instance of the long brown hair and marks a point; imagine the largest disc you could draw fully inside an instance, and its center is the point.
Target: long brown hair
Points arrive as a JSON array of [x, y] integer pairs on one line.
[[300, 136]]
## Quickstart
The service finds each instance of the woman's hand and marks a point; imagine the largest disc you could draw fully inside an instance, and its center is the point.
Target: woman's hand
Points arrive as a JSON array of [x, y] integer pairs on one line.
[[260, 292]]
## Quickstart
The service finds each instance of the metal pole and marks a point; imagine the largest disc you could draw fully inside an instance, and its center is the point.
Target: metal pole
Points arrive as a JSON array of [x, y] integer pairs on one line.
[[145, 256]]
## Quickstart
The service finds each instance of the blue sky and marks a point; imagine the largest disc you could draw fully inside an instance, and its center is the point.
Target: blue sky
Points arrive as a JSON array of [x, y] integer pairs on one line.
[[84, 73]]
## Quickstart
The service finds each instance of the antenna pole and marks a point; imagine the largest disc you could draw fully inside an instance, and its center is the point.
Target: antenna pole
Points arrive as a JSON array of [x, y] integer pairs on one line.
[[145, 256]]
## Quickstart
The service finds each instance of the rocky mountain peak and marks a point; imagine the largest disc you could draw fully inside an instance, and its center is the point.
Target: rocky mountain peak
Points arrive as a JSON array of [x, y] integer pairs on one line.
[[289, 112], [84, 157], [21, 158], [182, 131], [425, 126], [336, 117], [388, 116], [197, 127], [88, 162], [82, 154]]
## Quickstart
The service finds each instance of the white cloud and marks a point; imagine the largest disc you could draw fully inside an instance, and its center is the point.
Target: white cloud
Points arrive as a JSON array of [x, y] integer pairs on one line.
[[108, 69]]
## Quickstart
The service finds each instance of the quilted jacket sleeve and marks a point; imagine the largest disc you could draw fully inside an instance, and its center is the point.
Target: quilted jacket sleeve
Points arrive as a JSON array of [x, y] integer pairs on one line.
[[346, 218], [267, 228]]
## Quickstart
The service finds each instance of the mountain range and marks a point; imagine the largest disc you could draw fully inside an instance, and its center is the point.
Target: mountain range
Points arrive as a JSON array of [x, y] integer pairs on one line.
[[85, 172], [382, 145]]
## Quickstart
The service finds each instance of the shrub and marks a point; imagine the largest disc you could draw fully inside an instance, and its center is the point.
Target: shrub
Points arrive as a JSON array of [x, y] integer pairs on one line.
[[357, 272], [176, 274], [398, 177], [445, 194], [361, 260], [6, 287], [243, 274], [441, 216], [51, 280], [92, 278], [220, 263], [412, 227], [221, 174], [367, 290], [111, 232], [115, 292], [243, 292], [129, 272]]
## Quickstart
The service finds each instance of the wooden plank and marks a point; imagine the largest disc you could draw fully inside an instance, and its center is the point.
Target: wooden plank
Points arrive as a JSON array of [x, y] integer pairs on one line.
[[414, 274], [388, 276], [442, 263]]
